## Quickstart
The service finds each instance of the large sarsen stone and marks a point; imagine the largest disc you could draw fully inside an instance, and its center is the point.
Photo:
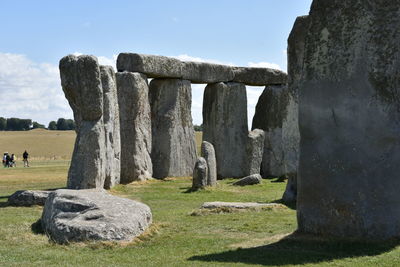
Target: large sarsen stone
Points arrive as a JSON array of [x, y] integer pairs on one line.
[[225, 126], [93, 215], [81, 83], [349, 118], [111, 127], [174, 147], [135, 124]]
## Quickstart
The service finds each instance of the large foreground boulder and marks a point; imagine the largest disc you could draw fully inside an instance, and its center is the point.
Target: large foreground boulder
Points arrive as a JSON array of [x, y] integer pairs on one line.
[[93, 215], [81, 83], [174, 146], [135, 124], [225, 126], [349, 117], [28, 198]]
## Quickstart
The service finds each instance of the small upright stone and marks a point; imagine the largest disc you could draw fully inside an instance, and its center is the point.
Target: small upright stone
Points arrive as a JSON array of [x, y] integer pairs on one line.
[[174, 145], [208, 153], [254, 151], [111, 126], [225, 126], [135, 119], [81, 83], [200, 173]]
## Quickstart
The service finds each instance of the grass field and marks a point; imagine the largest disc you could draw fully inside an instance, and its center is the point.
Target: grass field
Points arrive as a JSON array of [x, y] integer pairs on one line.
[[177, 238]]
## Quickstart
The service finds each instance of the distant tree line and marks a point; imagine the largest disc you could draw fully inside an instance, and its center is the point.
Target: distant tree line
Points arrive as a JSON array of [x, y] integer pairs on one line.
[[198, 128], [17, 124], [62, 125]]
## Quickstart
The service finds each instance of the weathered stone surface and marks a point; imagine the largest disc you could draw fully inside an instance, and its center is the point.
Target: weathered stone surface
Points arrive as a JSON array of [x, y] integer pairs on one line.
[[93, 215], [81, 83], [259, 76], [197, 72], [239, 205], [254, 151], [135, 124], [290, 124], [28, 198], [225, 126], [150, 65], [200, 174], [349, 116], [290, 194], [202, 72], [270, 110], [174, 147], [111, 127], [249, 180], [208, 153]]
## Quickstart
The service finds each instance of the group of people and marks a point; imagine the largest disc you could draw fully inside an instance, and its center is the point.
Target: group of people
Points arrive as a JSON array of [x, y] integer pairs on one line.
[[9, 161]]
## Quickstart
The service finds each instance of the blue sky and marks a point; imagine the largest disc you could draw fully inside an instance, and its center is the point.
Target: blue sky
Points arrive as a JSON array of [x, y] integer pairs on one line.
[[34, 35]]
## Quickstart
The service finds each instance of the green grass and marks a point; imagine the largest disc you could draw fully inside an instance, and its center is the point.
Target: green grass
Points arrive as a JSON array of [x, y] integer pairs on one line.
[[257, 238]]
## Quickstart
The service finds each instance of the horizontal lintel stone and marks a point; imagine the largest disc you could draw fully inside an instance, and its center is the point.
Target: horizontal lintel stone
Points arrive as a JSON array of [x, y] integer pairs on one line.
[[197, 72]]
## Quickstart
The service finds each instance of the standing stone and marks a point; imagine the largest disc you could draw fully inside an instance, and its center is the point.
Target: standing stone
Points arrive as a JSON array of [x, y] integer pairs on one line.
[[174, 146], [270, 110], [208, 153], [349, 116], [135, 124], [290, 125], [111, 127], [81, 83], [200, 174], [254, 151], [225, 126]]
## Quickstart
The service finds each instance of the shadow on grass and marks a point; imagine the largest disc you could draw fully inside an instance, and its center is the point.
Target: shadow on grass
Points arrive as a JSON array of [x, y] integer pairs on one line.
[[290, 205], [299, 249], [3, 204], [4, 197], [36, 227]]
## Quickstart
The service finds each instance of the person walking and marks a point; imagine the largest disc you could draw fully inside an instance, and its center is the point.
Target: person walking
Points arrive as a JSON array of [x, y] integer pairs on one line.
[[25, 156], [8, 161], [12, 161], [5, 159]]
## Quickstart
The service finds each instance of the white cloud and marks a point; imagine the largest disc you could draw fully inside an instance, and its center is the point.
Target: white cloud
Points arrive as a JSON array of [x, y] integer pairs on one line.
[[185, 57], [264, 65], [31, 90]]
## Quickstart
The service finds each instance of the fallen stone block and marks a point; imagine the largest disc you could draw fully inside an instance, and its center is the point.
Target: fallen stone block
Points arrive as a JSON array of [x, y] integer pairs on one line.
[[28, 198], [249, 180], [93, 215], [239, 205]]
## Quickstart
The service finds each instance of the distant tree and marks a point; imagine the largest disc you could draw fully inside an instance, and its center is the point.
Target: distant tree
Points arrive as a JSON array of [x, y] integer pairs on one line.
[[71, 124], [52, 125], [3, 124], [36, 125], [198, 128], [25, 124], [62, 124]]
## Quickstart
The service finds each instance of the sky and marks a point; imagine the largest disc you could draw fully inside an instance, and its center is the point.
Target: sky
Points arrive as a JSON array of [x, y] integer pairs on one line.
[[35, 35]]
